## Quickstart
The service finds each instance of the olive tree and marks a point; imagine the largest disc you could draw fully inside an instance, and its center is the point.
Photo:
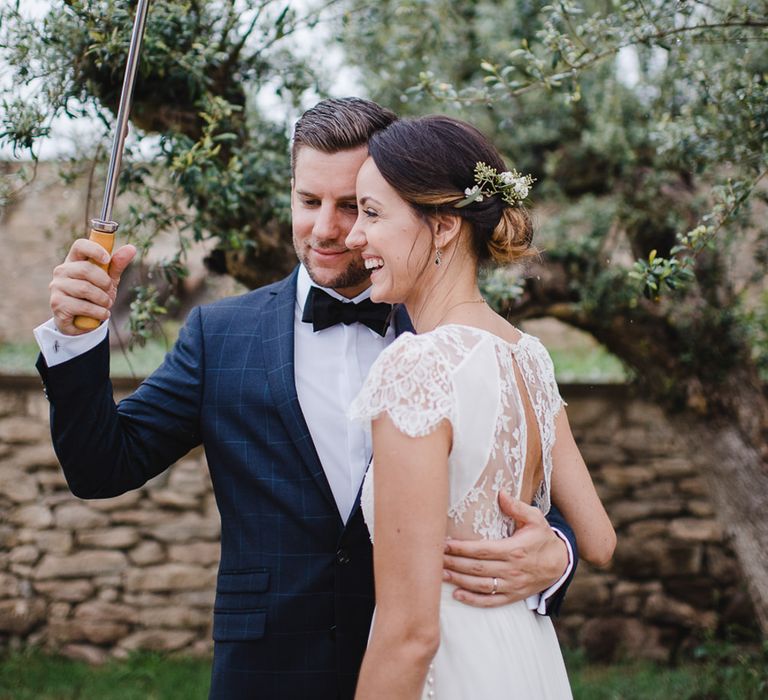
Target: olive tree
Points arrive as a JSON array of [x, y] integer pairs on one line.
[[646, 123]]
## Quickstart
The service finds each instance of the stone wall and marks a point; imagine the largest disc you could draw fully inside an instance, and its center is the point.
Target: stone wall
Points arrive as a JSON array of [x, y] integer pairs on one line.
[[674, 580], [37, 230], [99, 578]]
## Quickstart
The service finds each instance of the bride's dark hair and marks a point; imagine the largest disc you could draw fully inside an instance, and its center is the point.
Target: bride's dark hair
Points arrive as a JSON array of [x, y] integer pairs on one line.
[[430, 162]]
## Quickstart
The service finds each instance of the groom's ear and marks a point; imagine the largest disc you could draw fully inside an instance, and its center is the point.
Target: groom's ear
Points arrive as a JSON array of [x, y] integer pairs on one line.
[[445, 229]]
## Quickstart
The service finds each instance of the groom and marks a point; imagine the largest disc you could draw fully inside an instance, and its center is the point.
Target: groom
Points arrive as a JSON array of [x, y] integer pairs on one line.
[[263, 381]]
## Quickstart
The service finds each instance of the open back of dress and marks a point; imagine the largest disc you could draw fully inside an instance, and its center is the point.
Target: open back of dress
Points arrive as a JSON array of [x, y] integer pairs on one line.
[[501, 400]]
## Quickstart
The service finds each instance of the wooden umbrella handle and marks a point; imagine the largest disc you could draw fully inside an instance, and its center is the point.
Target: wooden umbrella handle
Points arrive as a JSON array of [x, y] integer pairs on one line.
[[106, 241]]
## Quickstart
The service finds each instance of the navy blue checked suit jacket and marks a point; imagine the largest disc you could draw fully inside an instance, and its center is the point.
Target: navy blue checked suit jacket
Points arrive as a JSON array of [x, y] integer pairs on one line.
[[294, 594]]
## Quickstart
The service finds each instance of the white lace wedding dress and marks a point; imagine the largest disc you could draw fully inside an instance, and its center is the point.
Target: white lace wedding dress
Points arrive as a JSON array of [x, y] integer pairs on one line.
[[501, 400]]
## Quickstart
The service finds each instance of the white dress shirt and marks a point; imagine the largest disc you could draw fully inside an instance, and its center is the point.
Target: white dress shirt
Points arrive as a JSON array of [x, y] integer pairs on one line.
[[330, 367]]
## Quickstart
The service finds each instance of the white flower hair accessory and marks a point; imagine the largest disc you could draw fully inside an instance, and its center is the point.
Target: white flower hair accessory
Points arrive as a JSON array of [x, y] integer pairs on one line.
[[510, 184]]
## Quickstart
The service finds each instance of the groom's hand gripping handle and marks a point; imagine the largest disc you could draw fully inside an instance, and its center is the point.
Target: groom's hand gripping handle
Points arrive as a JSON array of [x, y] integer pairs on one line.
[[84, 286], [103, 234]]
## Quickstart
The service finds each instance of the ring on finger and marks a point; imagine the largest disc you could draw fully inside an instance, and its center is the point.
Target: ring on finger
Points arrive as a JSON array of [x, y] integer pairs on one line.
[[495, 588]]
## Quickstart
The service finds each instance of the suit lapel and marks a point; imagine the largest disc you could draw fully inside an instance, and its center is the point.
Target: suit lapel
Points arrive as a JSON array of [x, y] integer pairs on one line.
[[402, 320], [277, 340]]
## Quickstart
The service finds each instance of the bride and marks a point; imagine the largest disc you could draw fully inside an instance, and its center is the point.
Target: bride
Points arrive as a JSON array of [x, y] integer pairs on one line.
[[466, 409]]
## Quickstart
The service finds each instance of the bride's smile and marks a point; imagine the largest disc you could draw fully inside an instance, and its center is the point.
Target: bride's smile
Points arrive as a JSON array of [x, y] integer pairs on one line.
[[394, 241]]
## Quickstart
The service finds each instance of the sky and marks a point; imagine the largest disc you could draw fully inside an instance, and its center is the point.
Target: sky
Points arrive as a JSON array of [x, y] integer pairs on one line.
[[67, 133]]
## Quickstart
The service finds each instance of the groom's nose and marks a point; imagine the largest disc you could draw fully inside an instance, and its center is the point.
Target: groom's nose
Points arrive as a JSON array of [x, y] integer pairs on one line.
[[327, 225]]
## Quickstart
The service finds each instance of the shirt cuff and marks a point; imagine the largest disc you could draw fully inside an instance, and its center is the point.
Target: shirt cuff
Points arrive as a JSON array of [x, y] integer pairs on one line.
[[57, 347], [538, 601]]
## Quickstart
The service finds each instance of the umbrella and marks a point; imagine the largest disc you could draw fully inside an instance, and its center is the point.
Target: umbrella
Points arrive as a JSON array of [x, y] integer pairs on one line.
[[103, 229]]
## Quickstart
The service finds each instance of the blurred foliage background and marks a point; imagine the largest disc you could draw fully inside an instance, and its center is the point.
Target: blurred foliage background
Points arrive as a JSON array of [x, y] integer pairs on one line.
[[645, 123]]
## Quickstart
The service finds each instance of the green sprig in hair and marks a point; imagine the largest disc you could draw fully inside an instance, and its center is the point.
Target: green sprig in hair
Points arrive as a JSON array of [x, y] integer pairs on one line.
[[510, 184]]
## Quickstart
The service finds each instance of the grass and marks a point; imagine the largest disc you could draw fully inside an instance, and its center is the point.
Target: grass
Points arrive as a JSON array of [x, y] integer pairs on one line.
[[139, 362], [20, 358], [577, 356], [32, 675], [721, 673], [587, 364], [576, 359]]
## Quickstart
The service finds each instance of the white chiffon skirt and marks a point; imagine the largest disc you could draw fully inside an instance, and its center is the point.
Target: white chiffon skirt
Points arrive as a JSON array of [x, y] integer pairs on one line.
[[507, 652]]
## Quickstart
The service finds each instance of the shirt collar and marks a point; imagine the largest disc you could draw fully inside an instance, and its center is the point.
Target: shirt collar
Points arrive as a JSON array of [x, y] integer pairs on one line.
[[304, 282]]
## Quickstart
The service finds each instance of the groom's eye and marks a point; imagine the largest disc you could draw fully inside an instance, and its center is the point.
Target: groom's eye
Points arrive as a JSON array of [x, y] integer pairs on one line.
[[350, 206]]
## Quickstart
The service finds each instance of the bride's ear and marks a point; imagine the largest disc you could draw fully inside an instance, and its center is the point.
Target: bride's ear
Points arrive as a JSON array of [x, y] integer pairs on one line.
[[445, 229]]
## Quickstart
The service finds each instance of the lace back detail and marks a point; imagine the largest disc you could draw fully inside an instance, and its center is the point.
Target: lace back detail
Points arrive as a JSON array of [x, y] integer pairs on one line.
[[473, 379]]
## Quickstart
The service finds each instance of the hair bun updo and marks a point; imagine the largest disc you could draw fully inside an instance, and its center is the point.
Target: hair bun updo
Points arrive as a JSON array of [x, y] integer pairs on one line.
[[430, 162], [511, 238]]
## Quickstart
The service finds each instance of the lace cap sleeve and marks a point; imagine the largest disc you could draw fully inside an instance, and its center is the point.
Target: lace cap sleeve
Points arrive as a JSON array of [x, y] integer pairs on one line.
[[410, 381]]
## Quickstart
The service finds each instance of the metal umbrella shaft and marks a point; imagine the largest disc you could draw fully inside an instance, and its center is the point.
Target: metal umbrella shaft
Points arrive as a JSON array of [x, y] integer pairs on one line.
[[105, 223], [103, 229]]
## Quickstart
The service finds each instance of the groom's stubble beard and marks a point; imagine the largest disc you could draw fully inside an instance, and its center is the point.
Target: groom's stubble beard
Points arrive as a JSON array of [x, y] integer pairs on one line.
[[353, 275]]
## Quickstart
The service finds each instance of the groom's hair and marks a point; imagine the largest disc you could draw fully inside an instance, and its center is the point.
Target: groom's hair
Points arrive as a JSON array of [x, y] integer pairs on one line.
[[339, 124]]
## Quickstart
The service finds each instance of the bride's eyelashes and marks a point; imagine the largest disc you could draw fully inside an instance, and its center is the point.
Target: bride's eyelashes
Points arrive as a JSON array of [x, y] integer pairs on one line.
[[370, 213]]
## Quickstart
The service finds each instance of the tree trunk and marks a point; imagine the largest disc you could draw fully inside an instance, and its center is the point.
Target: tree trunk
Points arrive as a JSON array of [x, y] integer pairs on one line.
[[738, 479], [716, 404]]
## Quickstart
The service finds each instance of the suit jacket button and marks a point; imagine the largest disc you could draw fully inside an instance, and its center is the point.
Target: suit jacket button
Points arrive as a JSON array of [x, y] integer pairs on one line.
[[342, 557]]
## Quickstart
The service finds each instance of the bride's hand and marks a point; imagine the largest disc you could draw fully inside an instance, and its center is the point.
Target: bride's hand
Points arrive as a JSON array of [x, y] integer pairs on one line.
[[490, 573]]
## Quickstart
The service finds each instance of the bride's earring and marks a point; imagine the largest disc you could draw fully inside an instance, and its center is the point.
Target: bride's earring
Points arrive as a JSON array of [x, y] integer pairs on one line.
[[438, 256]]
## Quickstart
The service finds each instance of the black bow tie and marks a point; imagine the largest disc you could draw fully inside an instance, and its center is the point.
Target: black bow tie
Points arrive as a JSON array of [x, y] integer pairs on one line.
[[323, 311]]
